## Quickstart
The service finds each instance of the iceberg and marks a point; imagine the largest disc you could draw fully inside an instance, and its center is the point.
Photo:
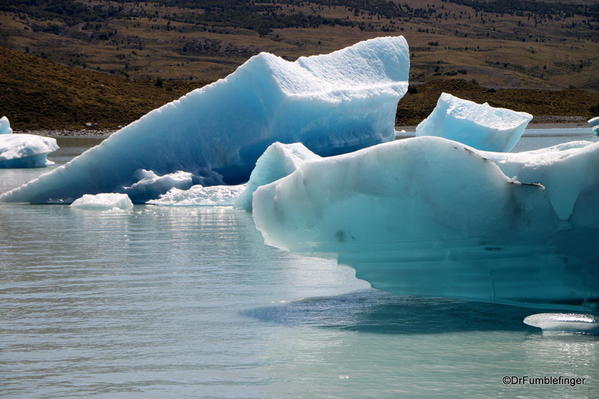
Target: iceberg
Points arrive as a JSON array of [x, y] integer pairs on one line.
[[332, 103], [103, 202], [199, 195], [278, 161], [25, 150], [430, 216], [564, 322], [5, 126], [150, 185], [477, 125], [594, 123]]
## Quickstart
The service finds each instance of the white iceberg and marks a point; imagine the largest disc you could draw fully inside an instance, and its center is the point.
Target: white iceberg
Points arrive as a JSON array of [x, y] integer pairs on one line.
[[199, 195], [5, 126], [103, 202], [150, 185], [25, 150], [429, 216], [477, 125], [564, 322], [279, 160], [332, 103]]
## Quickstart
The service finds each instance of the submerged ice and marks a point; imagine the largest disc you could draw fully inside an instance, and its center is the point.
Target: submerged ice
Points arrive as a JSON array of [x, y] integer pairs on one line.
[[478, 125], [564, 322], [331, 103], [510, 228]]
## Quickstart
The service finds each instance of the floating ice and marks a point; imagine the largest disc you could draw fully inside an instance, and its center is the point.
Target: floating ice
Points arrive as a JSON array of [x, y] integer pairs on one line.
[[332, 103], [564, 322], [429, 216], [5, 126], [25, 150], [594, 122], [150, 185], [199, 195], [478, 125], [279, 160], [103, 202]]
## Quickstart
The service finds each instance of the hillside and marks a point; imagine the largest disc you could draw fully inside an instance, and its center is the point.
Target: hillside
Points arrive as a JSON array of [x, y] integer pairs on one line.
[[36, 93], [499, 43]]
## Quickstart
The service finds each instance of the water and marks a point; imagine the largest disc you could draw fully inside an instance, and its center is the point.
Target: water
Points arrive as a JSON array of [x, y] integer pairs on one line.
[[188, 303]]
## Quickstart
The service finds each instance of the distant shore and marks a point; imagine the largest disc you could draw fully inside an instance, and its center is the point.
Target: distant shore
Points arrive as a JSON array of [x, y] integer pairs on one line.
[[104, 133]]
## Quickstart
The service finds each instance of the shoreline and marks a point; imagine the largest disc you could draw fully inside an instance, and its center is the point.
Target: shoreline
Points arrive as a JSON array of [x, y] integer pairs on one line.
[[105, 133]]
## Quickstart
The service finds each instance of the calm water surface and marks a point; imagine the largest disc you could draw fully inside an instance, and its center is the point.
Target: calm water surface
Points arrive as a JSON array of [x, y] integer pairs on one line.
[[189, 303]]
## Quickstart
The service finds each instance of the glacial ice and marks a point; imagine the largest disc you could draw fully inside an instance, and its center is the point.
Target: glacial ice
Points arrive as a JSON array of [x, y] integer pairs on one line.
[[279, 160], [332, 103], [103, 202], [199, 195], [5, 126], [477, 125], [430, 216], [564, 322], [150, 185], [25, 150], [594, 123]]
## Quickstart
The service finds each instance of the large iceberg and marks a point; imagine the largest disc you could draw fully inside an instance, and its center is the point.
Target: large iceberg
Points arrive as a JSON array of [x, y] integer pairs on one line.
[[478, 125], [5, 126], [332, 103], [25, 150], [278, 161], [430, 216]]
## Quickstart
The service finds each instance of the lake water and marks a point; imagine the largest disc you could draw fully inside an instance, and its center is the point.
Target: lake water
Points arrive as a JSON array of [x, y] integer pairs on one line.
[[189, 303]]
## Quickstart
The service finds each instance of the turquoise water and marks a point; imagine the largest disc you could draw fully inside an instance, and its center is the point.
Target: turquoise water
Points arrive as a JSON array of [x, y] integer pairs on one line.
[[188, 303]]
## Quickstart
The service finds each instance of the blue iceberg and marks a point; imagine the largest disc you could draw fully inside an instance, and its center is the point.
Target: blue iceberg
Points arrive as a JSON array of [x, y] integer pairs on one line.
[[5, 126], [477, 125], [430, 216], [332, 103], [278, 161], [150, 185], [25, 150]]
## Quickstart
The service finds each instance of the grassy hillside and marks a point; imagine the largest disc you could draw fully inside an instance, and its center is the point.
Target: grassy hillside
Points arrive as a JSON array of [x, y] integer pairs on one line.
[[36, 93], [500, 43]]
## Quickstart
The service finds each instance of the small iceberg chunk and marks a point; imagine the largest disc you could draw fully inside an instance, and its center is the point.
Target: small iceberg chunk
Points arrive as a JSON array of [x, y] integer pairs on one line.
[[199, 195], [25, 150], [278, 161], [5, 126], [594, 122], [564, 322], [333, 103], [477, 125], [103, 202], [150, 185]]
